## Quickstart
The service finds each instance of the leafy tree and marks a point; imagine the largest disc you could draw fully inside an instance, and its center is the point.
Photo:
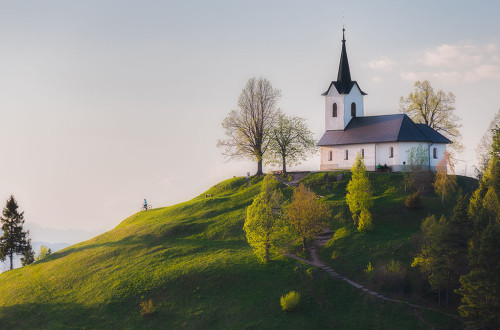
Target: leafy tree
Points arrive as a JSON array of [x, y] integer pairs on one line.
[[418, 164], [14, 239], [480, 289], [264, 224], [248, 129], [291, 141], [359, 194], [436, 109], [485, 146], [306, 213], [44, 252], [444, 184], [438, 259]]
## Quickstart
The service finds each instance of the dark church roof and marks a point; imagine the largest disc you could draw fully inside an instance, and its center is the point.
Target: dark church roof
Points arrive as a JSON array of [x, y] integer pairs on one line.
[[386, 128], [344, 83]]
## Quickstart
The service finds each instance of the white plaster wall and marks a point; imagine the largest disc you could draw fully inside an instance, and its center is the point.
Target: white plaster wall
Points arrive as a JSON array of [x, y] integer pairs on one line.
[[338, 161], [334, 123], [356, 97], [375, 154], [383, 154]]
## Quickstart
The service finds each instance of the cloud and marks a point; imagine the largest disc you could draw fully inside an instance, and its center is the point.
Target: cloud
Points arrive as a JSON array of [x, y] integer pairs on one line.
[[377, 79], [456, 63], [384, 64]]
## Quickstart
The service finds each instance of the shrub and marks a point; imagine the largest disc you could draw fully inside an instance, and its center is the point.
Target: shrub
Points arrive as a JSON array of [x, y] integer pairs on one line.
[[147, 308], [369, 270], [365, 221], [413, 201], [290, 301]]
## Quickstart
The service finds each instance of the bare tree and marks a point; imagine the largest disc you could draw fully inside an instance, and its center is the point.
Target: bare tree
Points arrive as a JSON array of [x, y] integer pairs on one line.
[[435, 109], [291, 141], [248, 129], [484, 148]]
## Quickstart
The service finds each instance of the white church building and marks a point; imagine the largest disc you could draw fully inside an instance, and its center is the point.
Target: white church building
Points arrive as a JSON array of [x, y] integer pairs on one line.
[[380, 140]]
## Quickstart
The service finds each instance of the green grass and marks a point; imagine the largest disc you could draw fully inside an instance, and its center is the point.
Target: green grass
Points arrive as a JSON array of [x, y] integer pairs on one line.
[[193, 262], [395, 235]]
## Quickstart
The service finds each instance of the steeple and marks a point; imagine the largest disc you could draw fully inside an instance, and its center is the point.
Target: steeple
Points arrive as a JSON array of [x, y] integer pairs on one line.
[[344, 75]]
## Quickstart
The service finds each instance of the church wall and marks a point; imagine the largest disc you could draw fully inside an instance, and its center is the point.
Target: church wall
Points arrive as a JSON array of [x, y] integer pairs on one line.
[[356, 97], [405, 146], [375, 154], [334, 123], [338, 160]]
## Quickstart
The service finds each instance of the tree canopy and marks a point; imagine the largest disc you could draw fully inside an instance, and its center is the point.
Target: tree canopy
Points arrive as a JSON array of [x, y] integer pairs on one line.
[[14, 239], [291, 141], [358, 195], [264, 225], [306, 213], [436, 109], [248, 129]]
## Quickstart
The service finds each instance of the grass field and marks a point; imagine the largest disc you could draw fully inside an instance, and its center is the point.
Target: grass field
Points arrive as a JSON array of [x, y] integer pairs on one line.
[[193, 262]]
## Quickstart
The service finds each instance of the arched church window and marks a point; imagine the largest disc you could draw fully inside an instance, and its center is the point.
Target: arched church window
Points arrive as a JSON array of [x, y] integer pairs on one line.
[[334, 110], [363, 153], [330, 155], [391, 152], [353, 109], [346, 154], [435, 153]]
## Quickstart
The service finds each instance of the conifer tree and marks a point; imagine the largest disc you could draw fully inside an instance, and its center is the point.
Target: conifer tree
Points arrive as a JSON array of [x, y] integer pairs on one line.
[[264, 226], [480, 289], [14, 239], [359, 194]]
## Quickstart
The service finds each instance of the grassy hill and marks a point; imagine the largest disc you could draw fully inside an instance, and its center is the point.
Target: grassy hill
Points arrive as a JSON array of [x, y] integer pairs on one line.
[[193, 262]]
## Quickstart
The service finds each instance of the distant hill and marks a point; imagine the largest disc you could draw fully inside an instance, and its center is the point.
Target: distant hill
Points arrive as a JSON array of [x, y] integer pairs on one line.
[[192, 260]]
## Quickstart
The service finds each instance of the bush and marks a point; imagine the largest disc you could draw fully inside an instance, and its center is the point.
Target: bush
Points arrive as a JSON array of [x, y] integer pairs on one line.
[[147, 308], [413, 201], [290, 301]]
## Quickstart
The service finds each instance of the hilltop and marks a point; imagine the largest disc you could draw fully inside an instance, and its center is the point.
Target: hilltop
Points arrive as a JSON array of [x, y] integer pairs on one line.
[[193, 262]]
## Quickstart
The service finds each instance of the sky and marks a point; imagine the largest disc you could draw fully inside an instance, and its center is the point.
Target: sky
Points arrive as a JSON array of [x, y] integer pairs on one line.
[[105, 103]]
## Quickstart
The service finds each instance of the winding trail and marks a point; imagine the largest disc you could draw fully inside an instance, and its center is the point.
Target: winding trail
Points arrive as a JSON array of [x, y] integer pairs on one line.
[[319, 242]]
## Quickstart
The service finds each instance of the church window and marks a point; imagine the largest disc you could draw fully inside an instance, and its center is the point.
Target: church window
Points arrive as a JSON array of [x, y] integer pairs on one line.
[[334, 110], [391, 152], [330, 155], [435, 153], [346, 154], [363, 153], [353, 109]]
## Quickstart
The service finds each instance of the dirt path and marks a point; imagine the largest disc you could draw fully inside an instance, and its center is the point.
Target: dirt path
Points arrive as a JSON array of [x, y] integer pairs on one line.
[[296, 177], [317, 262]]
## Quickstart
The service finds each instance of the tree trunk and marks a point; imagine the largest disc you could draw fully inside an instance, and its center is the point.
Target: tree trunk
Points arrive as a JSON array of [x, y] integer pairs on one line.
[[284, 165], [267, 247], [259, 167], [304, 243], [11, 263]]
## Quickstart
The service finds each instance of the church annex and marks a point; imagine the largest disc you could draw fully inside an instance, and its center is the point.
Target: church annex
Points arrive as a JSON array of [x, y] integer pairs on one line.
[[380, 140]]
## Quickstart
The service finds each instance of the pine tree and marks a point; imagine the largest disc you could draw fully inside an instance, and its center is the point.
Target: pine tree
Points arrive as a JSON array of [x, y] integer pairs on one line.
[[480, 289], [358, 189], [14, 239], [264, 225]]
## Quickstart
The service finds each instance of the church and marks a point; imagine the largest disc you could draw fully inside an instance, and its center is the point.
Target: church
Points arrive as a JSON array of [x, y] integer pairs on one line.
[[382, 141]]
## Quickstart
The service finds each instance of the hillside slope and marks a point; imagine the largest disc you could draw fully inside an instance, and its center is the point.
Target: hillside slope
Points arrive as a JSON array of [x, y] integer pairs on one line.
[[193, 262]]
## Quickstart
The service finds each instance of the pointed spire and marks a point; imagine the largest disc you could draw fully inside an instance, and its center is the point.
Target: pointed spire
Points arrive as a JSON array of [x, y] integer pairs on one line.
[[344, 74]]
